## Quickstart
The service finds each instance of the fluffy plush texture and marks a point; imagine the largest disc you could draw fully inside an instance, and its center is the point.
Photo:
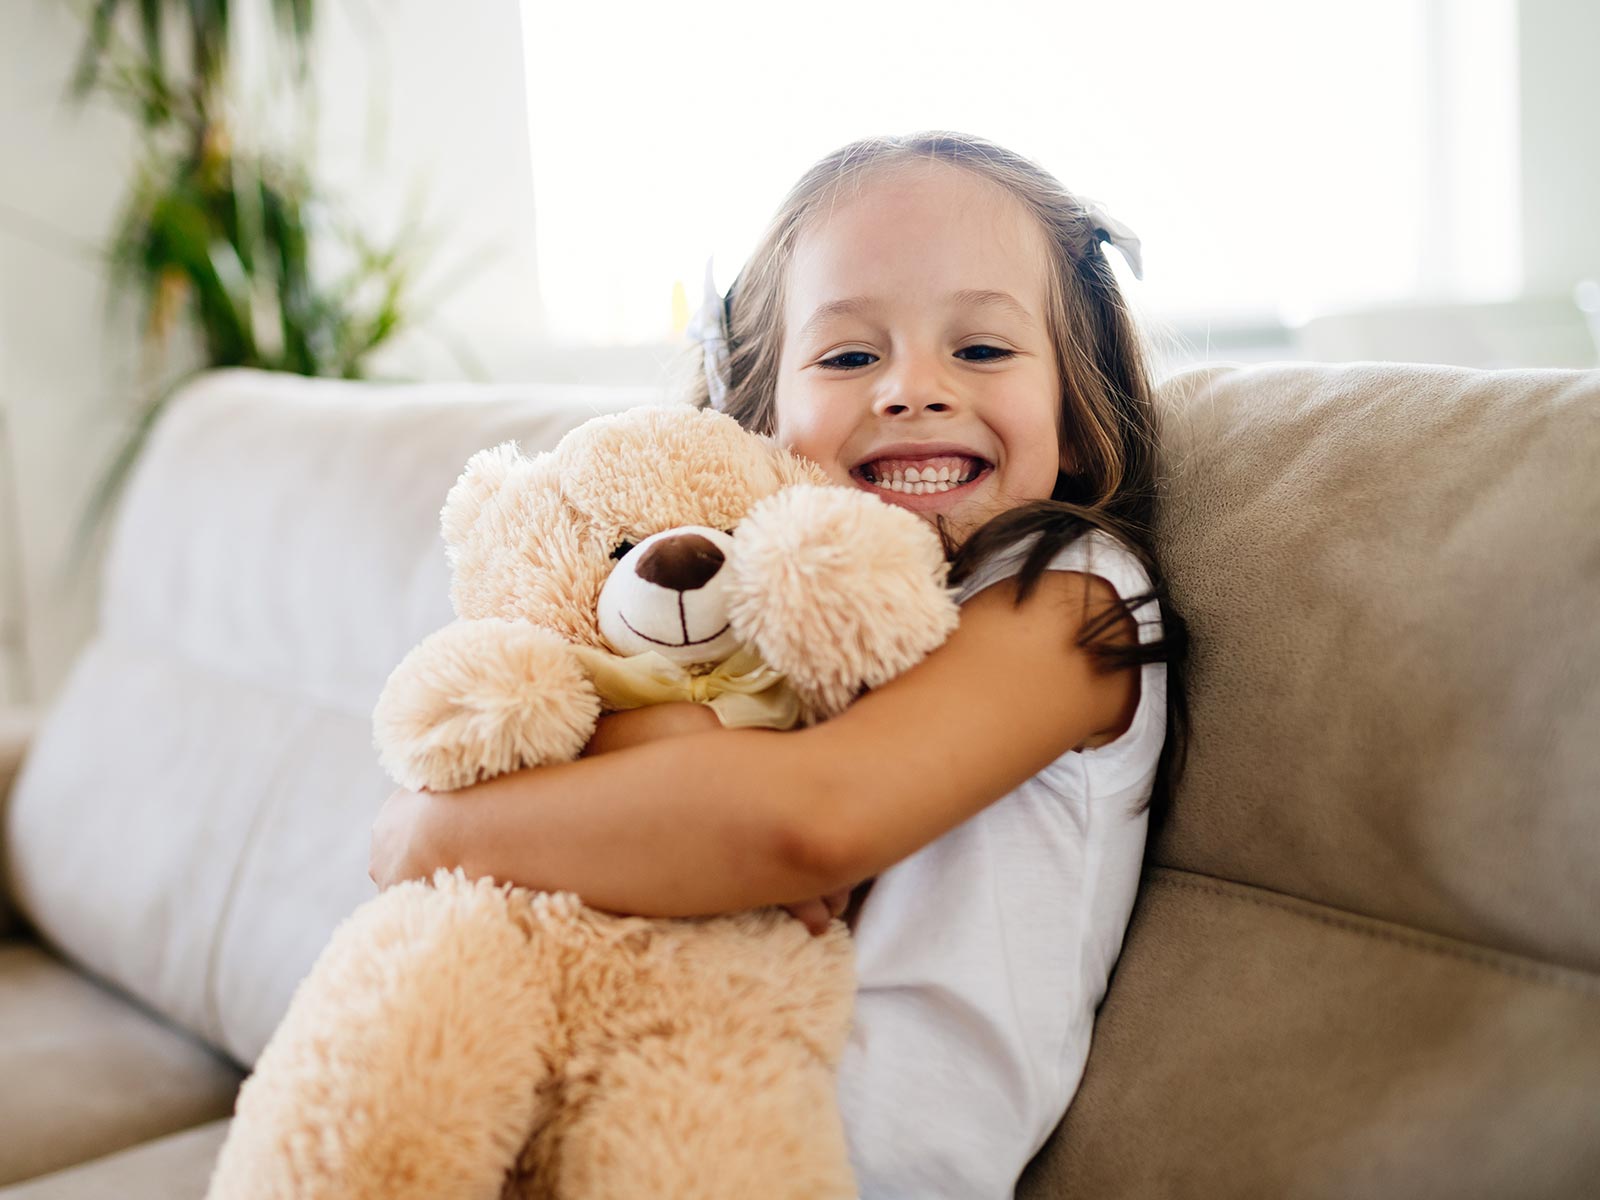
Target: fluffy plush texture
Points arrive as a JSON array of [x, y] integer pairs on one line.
[[463, 1038]]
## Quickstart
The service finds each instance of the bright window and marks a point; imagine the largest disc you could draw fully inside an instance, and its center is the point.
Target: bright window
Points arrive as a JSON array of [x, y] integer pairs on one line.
[[1275, 159]]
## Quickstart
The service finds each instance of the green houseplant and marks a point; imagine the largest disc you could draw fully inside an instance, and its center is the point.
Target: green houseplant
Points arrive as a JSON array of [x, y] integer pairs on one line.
[[217, 238]]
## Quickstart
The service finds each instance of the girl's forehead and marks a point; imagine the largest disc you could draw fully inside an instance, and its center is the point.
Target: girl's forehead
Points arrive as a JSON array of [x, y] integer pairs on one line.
[[914, 233]]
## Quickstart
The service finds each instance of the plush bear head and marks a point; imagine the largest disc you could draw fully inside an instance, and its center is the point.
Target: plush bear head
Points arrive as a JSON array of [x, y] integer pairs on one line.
[[538, 539], [675, 530]]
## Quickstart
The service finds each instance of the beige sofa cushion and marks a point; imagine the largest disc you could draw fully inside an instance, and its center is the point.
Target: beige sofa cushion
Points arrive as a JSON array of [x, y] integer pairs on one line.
[[1253, 1045], [176, 1167], [84, 1072], [1392, 573], [1369, 963]]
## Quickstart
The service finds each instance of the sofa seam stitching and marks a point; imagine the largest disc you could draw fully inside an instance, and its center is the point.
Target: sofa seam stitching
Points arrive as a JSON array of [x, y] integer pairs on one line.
[[1571, 979]]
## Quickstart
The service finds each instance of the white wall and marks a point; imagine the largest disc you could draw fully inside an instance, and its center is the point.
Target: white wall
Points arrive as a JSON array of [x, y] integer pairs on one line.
[[1558, 41], [420, 97], [63, 377], [428, 93]]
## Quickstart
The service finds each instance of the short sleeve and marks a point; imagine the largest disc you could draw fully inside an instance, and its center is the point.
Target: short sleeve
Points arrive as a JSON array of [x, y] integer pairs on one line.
[[1095, 553]]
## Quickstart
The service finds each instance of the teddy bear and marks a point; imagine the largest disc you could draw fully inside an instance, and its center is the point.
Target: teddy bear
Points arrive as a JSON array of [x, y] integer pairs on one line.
[[471, 1038]]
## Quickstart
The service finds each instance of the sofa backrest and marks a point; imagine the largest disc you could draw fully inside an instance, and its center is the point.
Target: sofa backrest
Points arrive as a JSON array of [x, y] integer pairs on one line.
[[1366, 957], [1394, 573], [192, 819]]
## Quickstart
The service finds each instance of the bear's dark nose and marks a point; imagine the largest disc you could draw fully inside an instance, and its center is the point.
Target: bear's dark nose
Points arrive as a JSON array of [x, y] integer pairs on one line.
[[681, 563]]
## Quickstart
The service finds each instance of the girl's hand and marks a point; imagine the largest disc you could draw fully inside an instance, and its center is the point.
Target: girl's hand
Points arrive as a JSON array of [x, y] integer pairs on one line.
[[408, 839], [405, 840], [818, 914], [636, 726]]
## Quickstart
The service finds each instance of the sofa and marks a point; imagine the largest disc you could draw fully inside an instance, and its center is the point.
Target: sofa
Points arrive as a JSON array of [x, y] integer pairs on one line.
[[1365, 957]]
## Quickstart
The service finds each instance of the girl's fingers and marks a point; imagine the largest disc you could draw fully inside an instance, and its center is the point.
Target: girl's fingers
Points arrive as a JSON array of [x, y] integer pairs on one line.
[[813, 914]]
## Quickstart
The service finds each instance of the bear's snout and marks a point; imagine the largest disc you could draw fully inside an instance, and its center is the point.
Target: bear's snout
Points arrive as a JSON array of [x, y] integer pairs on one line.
[[682, 563], [669, 595]]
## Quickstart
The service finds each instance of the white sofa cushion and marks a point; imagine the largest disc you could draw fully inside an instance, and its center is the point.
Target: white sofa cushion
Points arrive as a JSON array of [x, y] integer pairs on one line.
[[193, 818]]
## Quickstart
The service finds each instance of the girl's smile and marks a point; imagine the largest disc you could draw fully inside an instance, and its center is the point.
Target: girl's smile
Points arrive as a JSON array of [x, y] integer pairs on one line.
[[924, 477], [917, 362]]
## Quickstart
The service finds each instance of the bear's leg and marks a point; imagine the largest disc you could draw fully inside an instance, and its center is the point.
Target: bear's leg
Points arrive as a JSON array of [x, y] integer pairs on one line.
[[695, 1113], [410, 1061]]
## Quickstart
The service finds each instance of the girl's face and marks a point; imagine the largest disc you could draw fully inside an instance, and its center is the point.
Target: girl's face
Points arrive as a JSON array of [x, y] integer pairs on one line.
[[916, 361]]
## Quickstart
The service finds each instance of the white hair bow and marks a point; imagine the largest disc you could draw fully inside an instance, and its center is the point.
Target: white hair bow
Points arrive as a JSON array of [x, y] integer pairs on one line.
[[1109, 229], [710, 328]]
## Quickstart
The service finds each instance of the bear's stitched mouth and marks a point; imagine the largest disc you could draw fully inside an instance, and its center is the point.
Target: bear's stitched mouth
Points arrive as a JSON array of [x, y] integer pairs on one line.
[[675, 645]]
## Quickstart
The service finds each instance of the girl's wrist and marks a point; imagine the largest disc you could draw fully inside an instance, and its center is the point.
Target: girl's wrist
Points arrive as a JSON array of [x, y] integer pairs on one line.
[[413, 836], [440, 840]]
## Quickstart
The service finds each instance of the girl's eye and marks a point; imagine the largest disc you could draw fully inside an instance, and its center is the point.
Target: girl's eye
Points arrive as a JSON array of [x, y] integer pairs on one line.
[[852, 359], [837, 363], [989, 353]]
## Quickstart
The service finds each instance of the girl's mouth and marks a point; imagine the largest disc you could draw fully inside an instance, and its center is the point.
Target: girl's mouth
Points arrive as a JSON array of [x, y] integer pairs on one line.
[[922, 482]]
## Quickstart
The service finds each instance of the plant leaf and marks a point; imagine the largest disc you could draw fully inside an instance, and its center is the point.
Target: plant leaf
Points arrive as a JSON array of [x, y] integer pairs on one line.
[[95, 44]]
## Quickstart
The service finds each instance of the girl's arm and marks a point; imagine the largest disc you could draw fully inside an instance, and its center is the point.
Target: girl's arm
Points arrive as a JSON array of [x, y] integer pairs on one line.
[[637, 726], [730, 819]]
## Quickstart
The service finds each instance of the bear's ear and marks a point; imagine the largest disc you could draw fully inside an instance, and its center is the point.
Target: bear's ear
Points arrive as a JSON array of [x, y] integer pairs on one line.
[[488, 480], [517, 550]]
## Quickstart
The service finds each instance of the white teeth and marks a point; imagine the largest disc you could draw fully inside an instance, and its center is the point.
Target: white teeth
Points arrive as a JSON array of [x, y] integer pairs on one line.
[[913, 481], [918, 489]]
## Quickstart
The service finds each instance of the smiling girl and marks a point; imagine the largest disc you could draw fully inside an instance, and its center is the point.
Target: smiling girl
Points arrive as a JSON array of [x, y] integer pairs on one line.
[[932, 319]]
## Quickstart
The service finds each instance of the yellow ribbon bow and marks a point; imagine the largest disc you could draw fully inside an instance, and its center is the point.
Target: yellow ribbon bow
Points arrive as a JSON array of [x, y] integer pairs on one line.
[[742, 690]]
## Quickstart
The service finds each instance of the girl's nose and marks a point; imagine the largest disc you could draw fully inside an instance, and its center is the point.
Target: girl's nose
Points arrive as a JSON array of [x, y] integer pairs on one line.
[[913, 386]]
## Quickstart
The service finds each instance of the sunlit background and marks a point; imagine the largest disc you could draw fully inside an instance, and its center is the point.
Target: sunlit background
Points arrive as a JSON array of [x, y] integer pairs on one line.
[[1371, 179], [1278, 160]]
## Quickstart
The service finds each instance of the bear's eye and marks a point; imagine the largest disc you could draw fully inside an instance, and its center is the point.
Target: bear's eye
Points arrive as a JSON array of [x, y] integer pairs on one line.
[[622, 548]]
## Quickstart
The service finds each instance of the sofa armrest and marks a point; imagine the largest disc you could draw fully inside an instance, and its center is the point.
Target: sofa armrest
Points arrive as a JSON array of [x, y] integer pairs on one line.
[[16, 729]]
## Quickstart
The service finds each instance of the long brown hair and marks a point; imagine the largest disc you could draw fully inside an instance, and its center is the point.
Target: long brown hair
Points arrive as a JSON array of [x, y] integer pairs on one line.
[[1106, 409]]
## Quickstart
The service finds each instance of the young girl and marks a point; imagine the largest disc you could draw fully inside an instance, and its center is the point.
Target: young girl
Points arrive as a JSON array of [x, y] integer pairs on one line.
[[930, 318]]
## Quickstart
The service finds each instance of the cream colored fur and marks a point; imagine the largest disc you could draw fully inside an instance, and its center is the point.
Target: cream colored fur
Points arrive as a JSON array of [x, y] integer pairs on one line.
[[462, 1038]]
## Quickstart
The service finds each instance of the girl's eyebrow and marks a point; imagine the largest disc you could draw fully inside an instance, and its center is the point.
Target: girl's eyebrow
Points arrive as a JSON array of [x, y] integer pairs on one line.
[[849, 306], [966, 297], [1004, 300]]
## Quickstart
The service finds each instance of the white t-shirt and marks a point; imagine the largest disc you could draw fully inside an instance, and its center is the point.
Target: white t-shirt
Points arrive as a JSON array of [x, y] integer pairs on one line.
[[982, 958]]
